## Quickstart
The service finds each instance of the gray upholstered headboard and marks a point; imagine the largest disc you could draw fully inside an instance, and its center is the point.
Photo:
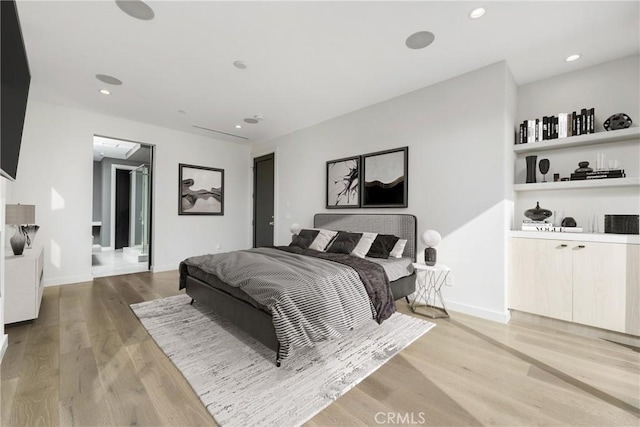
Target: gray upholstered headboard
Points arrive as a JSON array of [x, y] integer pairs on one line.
[[401, 225]]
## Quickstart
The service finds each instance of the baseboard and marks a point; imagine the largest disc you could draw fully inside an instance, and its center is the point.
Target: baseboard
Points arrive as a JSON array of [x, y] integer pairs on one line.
[[574, 328], [161, 268], [3, 347], [56, 281], [495, 316]]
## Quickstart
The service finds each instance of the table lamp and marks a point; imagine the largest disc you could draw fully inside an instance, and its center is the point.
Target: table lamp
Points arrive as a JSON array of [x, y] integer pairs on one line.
[[295, 228], [17, 215], [431, 238]]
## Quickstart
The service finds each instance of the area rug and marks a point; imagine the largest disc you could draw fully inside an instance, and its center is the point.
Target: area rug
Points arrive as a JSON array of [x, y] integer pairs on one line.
[[236, 378]]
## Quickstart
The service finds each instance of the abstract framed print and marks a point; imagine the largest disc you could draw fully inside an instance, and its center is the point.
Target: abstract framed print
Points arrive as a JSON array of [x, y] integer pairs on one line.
[[201, 190], [385, 179], [343, 183]]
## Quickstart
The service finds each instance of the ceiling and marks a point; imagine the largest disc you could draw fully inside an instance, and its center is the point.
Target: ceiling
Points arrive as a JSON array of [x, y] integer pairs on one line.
[[307, 62]]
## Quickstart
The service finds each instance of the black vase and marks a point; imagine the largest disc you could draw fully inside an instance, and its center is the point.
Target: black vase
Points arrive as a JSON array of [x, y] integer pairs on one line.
[[531, 169]]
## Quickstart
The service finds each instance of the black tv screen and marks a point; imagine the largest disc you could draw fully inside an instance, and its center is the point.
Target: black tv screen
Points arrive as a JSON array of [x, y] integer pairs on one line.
[[15, 76]]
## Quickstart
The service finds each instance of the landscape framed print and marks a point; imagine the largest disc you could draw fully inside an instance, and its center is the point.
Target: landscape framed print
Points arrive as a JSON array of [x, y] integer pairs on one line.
[[385, 179], [343, 183], [201, 190]]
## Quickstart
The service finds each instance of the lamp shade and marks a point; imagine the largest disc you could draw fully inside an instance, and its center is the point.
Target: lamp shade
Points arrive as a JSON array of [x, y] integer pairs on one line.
[[295, 228], [431, 238], [20, 214]]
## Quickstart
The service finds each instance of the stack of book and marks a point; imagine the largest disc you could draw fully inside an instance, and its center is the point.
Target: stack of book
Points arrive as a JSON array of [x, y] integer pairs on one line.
[[598, 174], [530, 225], [561, 126]]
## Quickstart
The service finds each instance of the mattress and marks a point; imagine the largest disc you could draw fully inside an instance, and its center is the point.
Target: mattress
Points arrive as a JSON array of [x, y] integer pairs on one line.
[[396, 268]]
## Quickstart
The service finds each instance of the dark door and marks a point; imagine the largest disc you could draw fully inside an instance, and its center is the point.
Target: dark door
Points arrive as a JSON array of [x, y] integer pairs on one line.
[[263, 201], [123, 198]]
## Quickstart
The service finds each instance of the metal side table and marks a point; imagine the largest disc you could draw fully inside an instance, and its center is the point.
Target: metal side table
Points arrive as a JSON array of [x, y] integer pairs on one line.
[[429, 281]]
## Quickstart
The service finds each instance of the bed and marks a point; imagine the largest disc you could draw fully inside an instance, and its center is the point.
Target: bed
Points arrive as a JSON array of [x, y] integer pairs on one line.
[[256, 320]]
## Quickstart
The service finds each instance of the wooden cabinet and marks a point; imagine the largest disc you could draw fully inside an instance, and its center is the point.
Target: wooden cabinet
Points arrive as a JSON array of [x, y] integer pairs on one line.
[[591, 283], [23, 285], [541, 278]]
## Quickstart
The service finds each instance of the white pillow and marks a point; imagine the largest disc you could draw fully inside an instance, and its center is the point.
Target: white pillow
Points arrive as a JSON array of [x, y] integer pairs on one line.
[[322, 240], [364, 244], [398, 249]]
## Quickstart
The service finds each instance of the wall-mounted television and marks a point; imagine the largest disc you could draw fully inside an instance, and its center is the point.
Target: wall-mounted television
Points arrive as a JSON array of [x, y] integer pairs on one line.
[[15, 76]]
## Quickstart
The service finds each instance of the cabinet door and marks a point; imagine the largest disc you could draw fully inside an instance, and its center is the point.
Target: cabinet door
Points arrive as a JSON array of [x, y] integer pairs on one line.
[[602, 272], [540, 277]]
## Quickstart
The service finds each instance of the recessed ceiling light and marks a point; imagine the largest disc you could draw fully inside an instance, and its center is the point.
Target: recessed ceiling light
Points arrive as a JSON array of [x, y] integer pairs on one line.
[[136, 9], [420, 40], [240, 65], [572, 58], [238, 127], [253, 120], [110, 80], [105, 92], [477, 13]]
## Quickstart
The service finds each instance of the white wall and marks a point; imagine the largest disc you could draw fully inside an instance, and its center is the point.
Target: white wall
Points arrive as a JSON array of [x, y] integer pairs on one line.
[[4, 339], [611, 87], [56, 170], [458, 132]]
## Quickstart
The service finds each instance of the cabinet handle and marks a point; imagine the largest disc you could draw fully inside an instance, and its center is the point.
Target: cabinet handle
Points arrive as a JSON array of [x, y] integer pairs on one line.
[[579, 247], [563, 245]]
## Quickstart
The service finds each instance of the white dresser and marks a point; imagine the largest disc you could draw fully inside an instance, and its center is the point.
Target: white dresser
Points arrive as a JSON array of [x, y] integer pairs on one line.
[[23, 285]]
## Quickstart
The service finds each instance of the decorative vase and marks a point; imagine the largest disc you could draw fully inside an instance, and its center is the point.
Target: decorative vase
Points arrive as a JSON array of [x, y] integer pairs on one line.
[[617, 121], [430, 255], [30, 231], [17, 241], [531, 169], [537, 213]]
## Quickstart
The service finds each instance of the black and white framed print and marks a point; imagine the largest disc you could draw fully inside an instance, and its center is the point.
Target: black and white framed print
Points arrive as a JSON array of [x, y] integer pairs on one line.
[[385, 179], [201, 190], [343, 183]]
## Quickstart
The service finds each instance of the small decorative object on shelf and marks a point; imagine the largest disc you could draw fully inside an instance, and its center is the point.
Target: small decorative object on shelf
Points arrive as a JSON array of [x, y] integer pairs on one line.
[[622, 224], [556, 177], [617, 121], [537, 213], [17, 215], [568, 221], [544, 168], [431, 238], [531, 169], [583, 167]]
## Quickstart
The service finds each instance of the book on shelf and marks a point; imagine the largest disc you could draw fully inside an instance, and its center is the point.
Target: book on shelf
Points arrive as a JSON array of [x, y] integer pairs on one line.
[[603, 174], [551, 228], [534, 221], [563, 125]]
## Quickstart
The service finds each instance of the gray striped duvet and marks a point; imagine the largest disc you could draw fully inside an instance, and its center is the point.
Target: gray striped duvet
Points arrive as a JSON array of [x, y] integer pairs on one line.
[[310, 299]]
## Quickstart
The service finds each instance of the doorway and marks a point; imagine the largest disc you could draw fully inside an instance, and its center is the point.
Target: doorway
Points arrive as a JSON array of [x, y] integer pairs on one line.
[[122, 192], [263, 203]]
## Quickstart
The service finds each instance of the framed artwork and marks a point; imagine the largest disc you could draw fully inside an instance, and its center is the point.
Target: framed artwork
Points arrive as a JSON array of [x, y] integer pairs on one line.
[[201, 190], [343, 183], [385, 179]]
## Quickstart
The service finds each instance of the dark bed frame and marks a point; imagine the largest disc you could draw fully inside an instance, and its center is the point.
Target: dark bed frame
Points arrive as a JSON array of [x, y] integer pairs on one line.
[[258, 323]]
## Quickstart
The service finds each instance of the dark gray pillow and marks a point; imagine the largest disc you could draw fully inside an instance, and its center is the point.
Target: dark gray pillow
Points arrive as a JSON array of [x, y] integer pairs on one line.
[[344, 242], [304, 238], [382, 246]]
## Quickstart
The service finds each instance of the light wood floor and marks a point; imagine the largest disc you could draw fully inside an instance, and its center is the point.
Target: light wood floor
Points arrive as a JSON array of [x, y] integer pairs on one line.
[[88, 361]]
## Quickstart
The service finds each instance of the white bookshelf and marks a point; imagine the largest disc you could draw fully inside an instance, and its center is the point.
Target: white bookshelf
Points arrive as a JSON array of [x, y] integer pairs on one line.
[[579, 141], [571, 185]]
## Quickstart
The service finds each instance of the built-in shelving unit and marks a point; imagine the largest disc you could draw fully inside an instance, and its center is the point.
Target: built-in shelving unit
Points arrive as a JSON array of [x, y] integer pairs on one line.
[[579, 140], [569, 185]]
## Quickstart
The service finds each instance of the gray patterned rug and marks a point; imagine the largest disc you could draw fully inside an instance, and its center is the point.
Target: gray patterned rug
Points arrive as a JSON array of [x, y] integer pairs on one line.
[[236, 377]]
